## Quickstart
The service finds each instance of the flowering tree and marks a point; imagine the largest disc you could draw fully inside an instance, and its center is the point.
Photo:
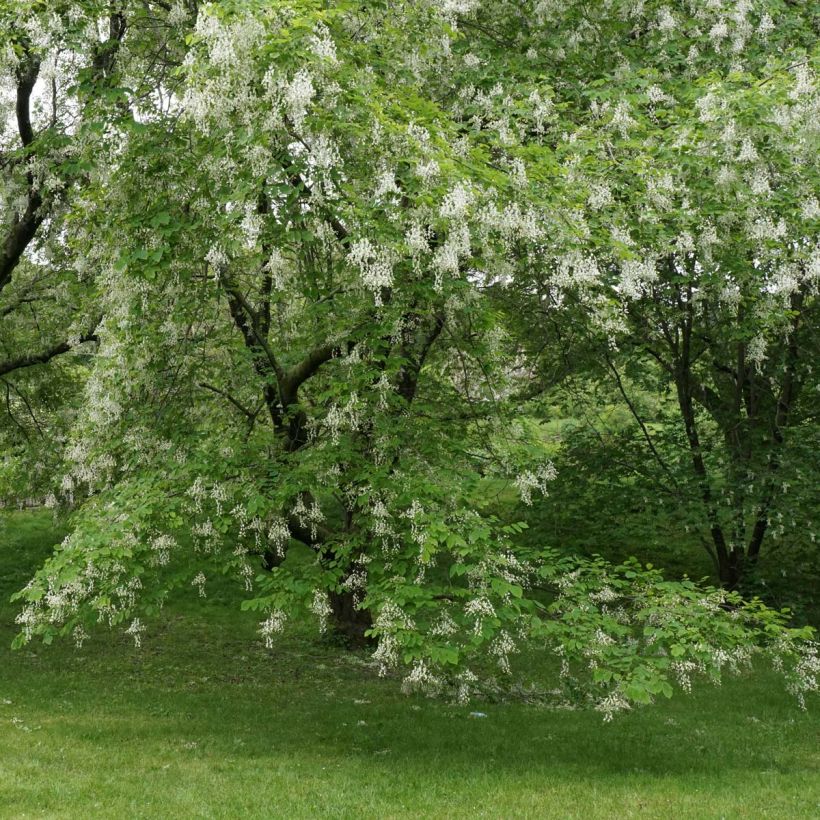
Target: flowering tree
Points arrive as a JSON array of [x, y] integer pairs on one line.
[[696, 261], [46, 137], [297, 217]]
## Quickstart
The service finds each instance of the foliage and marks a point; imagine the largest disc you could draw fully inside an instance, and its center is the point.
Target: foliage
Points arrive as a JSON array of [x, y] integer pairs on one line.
[[321, 239]]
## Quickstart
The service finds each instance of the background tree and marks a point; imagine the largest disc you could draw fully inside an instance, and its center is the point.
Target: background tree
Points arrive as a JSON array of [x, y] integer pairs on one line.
[[61, 96]]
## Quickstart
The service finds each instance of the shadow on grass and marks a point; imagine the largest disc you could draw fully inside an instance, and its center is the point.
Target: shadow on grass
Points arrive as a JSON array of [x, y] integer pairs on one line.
[[202, 687], [230, 698]]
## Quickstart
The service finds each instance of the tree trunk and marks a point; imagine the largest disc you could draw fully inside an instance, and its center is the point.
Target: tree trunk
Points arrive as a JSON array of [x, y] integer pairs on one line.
[[730, 568], [348, 622]]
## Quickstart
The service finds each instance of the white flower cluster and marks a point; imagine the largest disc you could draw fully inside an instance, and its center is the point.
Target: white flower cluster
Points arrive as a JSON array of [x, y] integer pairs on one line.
[[356, 582], [453, 8], [614, 702], [756, 351], [683, 673], [576, 270], [279, 535], [420, 678], [448, 256], [135, 630], [339, 419], [383, 389], [805, 673], [512, 222], [465, 683], [456, 202], [375, 266], [542, 109], [323, 157], [444, 626], [479, 608], [298, 96], [600, 197], [385, 185], [530, 480], [502, 647], [199, 581], [308, 516], [386, 654], [390, 619], [273, 625], [320, 607], [636, 276], [604, 595], [162, 546], [322, 45]]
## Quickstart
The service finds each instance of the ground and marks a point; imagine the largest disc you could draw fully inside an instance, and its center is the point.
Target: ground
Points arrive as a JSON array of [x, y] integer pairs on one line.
[[204, 722]]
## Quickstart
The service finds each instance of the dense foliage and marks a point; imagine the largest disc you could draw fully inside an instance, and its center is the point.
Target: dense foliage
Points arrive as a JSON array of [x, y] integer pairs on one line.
[[319, 265]]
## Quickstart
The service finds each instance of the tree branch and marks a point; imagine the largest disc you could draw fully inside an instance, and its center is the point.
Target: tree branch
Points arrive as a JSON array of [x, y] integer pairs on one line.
[[27, 74], [226, 395], [43, 356], [634, 410]]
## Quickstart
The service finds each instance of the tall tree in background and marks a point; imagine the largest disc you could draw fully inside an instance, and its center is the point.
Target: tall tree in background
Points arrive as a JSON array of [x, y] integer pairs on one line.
[[61, 96]]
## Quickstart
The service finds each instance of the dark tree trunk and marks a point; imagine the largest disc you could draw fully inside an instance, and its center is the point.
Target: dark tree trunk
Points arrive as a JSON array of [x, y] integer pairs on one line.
[[348, 622], [730, 568]]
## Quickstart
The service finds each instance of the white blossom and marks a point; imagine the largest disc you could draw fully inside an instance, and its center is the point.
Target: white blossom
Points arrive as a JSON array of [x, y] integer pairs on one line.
[[273, 625], [320, 607], [135, 630], [299, 95]]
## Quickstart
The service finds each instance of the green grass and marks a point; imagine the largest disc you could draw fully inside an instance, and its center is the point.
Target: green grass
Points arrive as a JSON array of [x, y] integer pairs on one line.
[[203, 722]]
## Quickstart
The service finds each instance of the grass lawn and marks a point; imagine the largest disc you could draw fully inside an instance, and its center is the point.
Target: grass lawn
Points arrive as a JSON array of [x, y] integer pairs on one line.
[[204, 722]]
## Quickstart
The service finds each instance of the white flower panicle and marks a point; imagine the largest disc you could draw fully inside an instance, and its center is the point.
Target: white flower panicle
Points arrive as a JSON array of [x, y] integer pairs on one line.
[[135, 630], [538, 479], [456, 202], [320, 607], [298, 96], [279, 535], [273, 625], [375, 266], [199, 581]]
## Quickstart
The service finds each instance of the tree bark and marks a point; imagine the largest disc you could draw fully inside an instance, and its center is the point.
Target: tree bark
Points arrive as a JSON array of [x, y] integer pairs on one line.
[[349, 622]]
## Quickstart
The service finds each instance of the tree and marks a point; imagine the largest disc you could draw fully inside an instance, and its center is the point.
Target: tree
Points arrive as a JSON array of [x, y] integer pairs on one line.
[[696, 263], [57, 81], [303, 375]]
